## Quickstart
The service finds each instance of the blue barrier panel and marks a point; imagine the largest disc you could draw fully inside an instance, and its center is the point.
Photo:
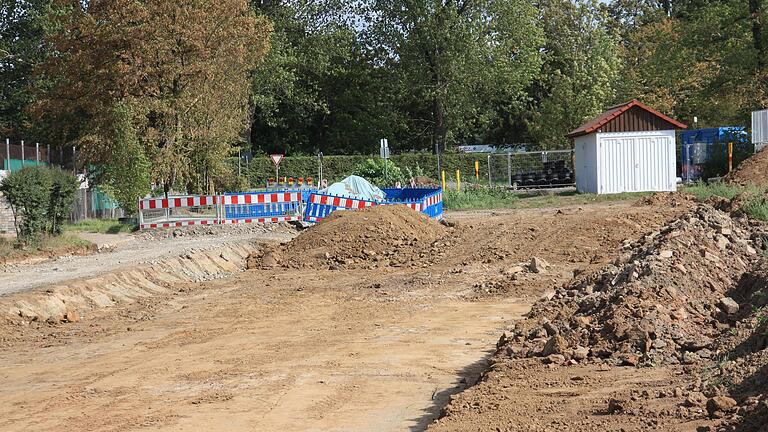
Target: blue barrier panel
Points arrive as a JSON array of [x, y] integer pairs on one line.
[[428, 201], [260, 205]]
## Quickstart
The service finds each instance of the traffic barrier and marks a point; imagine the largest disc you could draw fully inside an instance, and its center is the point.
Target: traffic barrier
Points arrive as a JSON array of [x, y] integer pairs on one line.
[[272, 206], [179, 211], [428, 201]]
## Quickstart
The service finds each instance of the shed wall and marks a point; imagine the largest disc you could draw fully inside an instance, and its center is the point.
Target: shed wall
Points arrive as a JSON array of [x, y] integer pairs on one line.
[[585, 164], [636, 162]]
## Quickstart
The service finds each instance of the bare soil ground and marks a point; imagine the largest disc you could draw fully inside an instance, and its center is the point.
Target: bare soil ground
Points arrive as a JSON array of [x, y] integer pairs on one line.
[[359, 343]]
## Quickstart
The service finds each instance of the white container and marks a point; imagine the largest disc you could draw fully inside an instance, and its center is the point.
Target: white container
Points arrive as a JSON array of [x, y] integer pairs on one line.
[[615, 162]]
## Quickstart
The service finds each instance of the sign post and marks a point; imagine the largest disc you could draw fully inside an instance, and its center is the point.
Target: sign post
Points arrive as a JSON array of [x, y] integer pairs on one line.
[[276, 158], [384, 153]]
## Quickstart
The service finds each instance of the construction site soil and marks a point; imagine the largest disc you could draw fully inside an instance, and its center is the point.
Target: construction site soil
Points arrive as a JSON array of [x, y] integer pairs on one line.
[[751, 171], [629, 316]]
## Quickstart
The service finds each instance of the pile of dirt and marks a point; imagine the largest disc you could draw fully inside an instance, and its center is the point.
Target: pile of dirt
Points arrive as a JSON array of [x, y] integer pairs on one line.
[[751, 171], [379, 236], [662, 301], [215, 230], [667, 199], [424, 181]]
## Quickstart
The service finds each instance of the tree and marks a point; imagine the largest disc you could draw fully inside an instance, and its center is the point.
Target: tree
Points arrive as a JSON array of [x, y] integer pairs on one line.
[[580, 70], [22, 30], [180, 67], [455, 61]]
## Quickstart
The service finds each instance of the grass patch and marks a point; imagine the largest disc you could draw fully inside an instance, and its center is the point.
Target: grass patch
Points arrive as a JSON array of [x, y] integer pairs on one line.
[[103, 226], [704, 191], [49, 245], [479, 199], [499, 198], [752, 198]]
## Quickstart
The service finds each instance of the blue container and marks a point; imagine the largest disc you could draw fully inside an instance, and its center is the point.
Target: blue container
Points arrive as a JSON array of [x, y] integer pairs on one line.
[[698, 146]]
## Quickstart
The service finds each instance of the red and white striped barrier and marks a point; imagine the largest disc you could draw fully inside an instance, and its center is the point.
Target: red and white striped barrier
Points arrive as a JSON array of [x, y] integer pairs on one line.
[[178, 202], [179, 224], [262, 220], [262, 198]]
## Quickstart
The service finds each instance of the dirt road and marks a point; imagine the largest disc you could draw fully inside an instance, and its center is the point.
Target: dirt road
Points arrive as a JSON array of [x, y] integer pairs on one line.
[[293, 350], [121, 251]]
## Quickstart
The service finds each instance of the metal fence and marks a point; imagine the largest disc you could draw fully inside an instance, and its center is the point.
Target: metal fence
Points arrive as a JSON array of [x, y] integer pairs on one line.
[[15, 156], [523, 170], [701, 161]]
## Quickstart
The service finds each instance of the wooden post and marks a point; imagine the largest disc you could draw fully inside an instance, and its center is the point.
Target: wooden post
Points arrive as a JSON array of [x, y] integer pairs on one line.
[[458, 180], [477, 170], [22, 153], [730, 157]]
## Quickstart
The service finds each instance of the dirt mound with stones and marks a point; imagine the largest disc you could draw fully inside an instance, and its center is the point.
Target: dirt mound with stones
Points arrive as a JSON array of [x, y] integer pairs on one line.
[[751, 171], [667, 199], [662, 301], [374, 237]]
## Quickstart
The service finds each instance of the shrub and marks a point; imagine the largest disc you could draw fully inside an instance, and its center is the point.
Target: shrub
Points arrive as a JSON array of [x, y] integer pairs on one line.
[[40, 199], [380, 172], [125, 176], [29, 193], [63, 188]]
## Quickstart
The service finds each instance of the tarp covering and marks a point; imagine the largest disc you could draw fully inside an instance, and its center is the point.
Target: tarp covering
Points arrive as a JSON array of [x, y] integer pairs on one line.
[[355, 187]]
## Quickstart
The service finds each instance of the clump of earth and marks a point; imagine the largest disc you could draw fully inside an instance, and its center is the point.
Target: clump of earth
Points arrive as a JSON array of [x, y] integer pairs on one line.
[[373, 237]]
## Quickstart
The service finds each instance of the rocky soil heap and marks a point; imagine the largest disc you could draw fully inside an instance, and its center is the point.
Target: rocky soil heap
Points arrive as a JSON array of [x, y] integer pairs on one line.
[[662, 301], [751, 171], [374, 237]]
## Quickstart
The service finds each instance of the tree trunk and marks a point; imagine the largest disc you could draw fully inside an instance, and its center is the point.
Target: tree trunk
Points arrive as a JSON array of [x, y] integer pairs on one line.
[[757, 32]]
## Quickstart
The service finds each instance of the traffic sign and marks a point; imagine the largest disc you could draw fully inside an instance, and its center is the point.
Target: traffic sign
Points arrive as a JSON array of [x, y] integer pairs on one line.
[[276, 158]]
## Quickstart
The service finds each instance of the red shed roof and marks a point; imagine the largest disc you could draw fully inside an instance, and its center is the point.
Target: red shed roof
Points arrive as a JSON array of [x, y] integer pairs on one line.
[[643, 118]]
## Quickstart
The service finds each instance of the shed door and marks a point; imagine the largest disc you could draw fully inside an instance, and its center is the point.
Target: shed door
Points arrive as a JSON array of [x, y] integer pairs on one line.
[[636, 163]]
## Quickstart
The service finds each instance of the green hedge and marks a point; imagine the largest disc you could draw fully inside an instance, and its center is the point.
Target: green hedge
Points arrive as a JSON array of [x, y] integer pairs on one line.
[[336, 168]]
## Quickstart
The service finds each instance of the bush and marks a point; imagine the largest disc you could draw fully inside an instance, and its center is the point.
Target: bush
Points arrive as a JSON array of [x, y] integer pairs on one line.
[[40, 199], [380, 172], [125, 176], [62, 196]]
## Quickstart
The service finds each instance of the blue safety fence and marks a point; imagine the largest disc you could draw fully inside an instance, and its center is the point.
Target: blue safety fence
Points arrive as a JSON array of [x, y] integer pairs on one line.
[[427, 201], [268, 204]]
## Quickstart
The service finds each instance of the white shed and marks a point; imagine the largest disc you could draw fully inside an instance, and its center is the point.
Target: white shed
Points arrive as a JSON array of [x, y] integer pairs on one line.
[[628, 148]]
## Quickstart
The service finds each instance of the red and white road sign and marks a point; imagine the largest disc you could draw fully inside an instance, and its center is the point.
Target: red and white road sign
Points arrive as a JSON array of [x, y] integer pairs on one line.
[[276, 158]]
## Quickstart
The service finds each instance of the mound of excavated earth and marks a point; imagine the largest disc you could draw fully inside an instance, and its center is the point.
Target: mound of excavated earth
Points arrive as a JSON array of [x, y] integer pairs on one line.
[[751, 171], [379, 236], [661, 302]]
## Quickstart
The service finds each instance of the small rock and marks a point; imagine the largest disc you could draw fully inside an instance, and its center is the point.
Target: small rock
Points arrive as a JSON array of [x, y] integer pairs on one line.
[[551, 329], [72, 316], [555, 359], [580, 353], [728, 305], [719, 406], [666, 254], [537, 333], [538, 265], [695, 399], [615, 406], [690, 358], [555, 345], [722, 242], [629, 360], [514, 270], [659, 344]]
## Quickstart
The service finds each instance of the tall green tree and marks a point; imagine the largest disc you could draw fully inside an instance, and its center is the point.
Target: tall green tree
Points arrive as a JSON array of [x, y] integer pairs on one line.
[[318, 88], [22, 48], [580, 70], [181, 68], [454, 62]]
